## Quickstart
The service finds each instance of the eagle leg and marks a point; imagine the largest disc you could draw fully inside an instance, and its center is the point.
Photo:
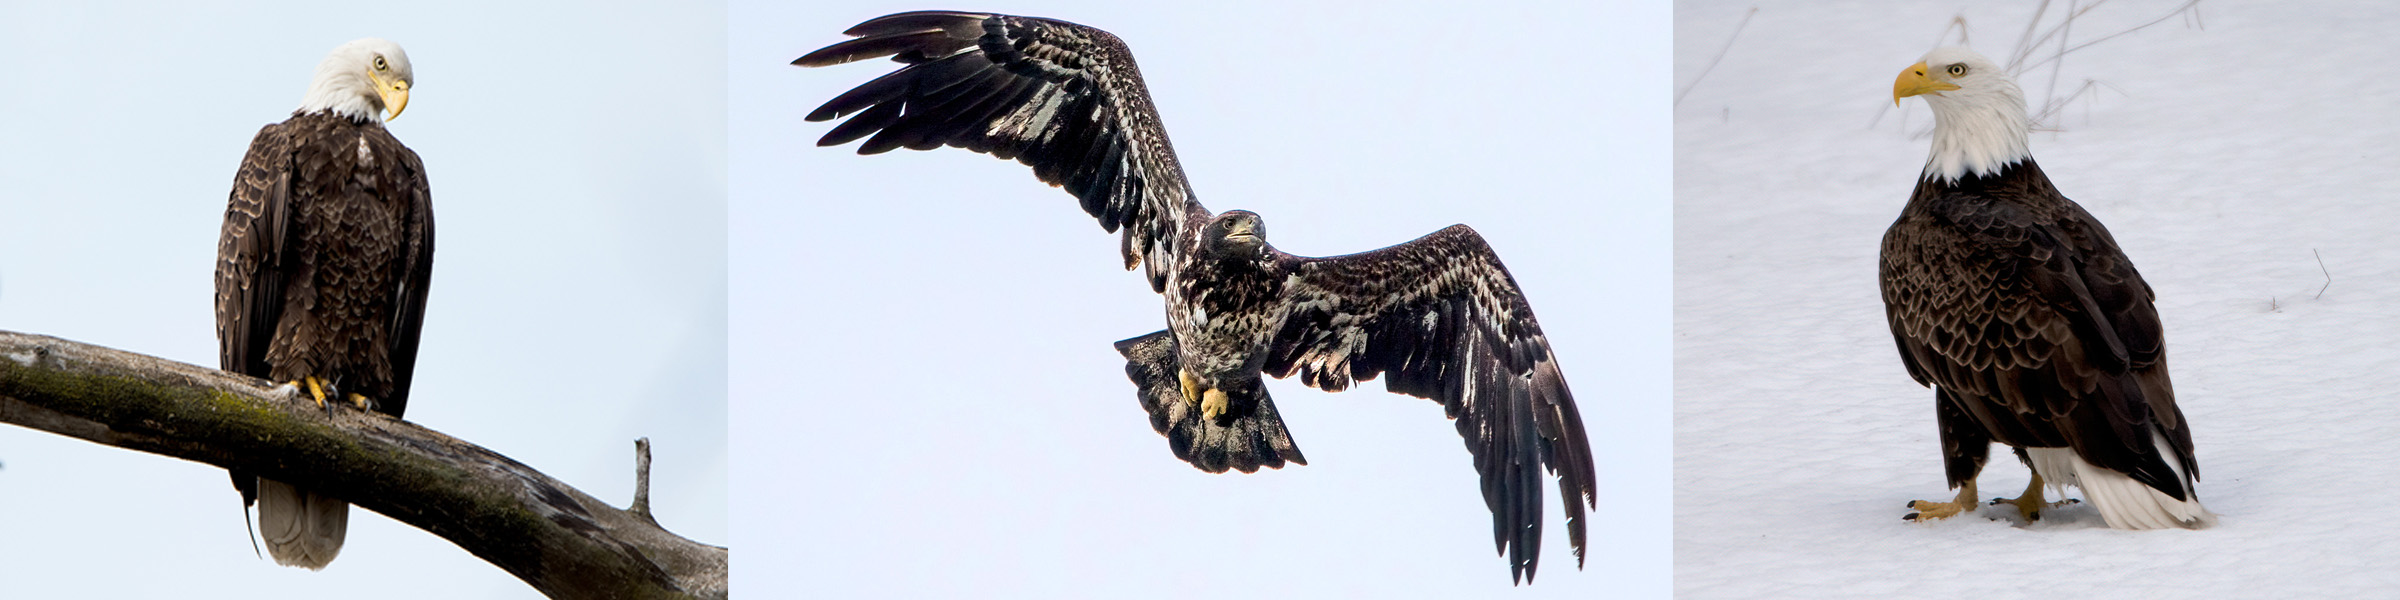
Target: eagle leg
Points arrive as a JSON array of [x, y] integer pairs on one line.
[[2030, 504], [1212, 401], [1929, 510], [362, 403], [1191, 391], [316, 389]]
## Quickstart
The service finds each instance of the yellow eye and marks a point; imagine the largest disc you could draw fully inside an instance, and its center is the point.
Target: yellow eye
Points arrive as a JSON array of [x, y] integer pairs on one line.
[[379, 64], [1955, 70]]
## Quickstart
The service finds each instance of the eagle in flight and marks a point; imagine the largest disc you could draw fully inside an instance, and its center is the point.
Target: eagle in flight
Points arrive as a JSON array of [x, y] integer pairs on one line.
[[322, 269], [1440, 314], [2028, 321]]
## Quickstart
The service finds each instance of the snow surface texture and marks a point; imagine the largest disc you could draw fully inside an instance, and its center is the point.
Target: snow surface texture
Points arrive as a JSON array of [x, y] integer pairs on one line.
[[2220, 158]]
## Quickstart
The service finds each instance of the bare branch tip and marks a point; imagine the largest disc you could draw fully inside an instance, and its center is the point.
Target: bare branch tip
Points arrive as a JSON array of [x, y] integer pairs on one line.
[[641, 480]]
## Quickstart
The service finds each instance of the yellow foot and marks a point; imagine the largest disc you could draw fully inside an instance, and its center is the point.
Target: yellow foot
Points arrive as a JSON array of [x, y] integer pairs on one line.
[[362, 402], [1213, 403], [1191, 391], [316, 388], [1928, 510], [2030, 504]]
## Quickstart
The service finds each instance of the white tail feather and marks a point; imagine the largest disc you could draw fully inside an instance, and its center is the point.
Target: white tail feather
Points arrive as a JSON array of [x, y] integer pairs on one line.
[[2122, 501], [301, 528]]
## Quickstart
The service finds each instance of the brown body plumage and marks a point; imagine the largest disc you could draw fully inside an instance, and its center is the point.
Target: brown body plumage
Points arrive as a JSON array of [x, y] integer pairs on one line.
[[2019, 307], [2025, 317], [322, 270]]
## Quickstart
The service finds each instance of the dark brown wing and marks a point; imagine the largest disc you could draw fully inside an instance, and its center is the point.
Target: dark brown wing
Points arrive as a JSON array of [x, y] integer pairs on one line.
[[1062, 98], [252, 264], [2021, 305], [408, 312], [1442, 315]]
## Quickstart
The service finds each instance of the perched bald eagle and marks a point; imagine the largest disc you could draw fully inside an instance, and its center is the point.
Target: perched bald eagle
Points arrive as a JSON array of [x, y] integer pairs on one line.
[[322, 269], [2029, 323], [1440, 313]]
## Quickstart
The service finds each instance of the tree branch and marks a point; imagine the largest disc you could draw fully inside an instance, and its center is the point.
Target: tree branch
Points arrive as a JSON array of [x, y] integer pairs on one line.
[[561, 541]]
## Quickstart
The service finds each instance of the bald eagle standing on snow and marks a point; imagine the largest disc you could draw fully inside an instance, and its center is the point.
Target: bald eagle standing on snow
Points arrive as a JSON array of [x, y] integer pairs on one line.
[[322, 268], [2033, 329], [1440, 313]]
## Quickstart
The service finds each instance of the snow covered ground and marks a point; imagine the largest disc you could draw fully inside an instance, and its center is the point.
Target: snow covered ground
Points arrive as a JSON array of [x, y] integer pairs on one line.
[[2223, 158]]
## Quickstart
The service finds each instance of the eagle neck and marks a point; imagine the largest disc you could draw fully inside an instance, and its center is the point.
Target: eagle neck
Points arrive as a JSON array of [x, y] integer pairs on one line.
[[2021, 183], [1977, 132], [343, 91]]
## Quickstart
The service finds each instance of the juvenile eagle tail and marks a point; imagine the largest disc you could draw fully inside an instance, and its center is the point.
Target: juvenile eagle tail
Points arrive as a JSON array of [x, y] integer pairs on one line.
[[2124, 502], [1249, 435], [301, 528]]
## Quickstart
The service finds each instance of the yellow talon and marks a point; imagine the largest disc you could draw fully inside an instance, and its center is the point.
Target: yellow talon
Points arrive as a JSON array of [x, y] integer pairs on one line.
[[2030, 504], [362, 402], [1929, 510], [316, 389], [1212, 403], [1191, 391]]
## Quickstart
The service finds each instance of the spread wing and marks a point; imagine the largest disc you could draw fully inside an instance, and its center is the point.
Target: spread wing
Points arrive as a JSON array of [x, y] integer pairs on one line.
[[1443, 317], [1062, 98], [2043, 320], [408, 315]]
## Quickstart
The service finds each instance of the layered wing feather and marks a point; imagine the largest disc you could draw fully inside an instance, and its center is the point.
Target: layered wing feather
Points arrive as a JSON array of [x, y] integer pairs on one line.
[[252, 263], [408, 314], [2021, 306], [1445, 319], [251, 260], [1062, 98]]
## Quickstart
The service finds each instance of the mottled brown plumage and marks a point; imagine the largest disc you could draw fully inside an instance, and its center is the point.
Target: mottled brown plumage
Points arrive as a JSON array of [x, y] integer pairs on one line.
[[2019, 306], [1440, 313], [323, 263], [2025, 317]]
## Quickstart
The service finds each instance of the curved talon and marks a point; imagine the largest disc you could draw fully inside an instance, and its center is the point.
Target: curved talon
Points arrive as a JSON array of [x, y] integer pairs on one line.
[[362, 403], [2030, 504], [1191, 391], [1928, 510], [1213, 403], [316, 389]]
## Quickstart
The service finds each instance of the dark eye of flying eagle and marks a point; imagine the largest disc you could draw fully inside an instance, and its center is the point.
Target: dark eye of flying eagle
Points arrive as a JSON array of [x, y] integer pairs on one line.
[[1440, 315]]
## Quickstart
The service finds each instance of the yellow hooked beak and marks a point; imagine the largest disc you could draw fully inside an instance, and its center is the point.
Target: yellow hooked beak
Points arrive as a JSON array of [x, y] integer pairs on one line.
[[1917, 79], [395, 94]]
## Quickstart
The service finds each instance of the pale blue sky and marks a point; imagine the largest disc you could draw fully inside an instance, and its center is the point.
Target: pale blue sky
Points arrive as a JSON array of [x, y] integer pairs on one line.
[[926, 400], [577, 157]]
